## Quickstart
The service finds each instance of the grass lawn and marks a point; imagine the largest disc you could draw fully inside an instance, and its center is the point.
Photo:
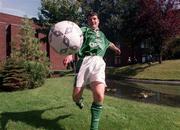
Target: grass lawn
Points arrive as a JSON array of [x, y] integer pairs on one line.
[[50, 108], [168, 70]]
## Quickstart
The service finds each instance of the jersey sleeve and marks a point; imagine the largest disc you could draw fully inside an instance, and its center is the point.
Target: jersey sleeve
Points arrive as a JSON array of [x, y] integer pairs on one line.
[[107, 42], [83, 29]]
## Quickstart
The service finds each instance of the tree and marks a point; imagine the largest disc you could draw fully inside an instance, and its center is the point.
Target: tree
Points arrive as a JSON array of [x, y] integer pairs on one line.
[[130, 29], [53, 11], [29, 46], [35, 60], [172, 48], [159, 21]]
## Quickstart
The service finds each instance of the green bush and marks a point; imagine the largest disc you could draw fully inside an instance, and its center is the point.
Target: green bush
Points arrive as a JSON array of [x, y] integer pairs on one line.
[[14, 76], [172, 49], [38, 73], [1, 68], [1, 78], [176, 52], [19, 74]]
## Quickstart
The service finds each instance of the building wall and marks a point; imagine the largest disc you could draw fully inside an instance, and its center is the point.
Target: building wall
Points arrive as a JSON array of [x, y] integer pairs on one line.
[[15, 22], [2, 41]]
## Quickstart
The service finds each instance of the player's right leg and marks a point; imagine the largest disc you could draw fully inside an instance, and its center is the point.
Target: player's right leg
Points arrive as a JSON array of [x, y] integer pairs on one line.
[[77, 96]]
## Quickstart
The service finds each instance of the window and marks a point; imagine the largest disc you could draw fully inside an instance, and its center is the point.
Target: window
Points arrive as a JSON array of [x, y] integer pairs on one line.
[[8, 40]]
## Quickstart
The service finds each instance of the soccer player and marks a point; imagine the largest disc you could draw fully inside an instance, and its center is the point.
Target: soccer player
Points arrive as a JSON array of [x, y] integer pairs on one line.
[[91, 67]]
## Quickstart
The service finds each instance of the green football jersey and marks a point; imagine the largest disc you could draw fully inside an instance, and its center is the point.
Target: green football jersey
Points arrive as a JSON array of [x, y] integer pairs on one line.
[[95, 43]]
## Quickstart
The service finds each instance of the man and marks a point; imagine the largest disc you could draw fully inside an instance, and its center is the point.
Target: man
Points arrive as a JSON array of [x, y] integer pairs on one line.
[[91, 67]]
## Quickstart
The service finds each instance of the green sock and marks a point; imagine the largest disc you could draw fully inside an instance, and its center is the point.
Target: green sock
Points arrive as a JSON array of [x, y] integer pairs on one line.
[[95, 115]]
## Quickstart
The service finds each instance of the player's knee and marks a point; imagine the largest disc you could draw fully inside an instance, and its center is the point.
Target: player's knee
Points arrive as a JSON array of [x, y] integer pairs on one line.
[[99, 98]]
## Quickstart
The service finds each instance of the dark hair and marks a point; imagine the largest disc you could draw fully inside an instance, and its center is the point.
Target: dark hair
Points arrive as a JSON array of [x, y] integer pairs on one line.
[[92, 13]]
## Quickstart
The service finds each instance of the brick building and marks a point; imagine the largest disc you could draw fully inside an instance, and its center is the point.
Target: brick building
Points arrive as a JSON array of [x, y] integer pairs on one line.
[[9, 29]]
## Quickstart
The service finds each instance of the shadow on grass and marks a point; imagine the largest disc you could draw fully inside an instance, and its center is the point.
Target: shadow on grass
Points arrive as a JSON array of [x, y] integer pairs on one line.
[[33, 118], [129, 71], [60, 73]]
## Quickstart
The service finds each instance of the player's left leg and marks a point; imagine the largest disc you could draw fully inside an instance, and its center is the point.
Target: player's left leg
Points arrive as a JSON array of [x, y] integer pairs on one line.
[[98, 90]]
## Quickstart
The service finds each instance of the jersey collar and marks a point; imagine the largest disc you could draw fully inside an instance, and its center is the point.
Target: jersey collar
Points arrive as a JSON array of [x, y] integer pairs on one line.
[[95, 29]]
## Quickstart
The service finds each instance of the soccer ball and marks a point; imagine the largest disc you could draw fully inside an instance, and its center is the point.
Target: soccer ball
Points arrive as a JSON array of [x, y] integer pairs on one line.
[[65, 37]]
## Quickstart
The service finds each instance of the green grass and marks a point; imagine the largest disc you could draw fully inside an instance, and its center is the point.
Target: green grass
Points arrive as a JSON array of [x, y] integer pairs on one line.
[[50, 107], [168, 70]]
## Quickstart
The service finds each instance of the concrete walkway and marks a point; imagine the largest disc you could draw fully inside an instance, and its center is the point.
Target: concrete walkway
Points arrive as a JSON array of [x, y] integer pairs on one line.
[[154, 81], [151, 81]]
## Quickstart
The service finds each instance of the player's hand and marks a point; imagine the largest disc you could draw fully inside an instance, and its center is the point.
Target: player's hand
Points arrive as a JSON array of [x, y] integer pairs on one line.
[[114, 48], [117, 51], [68, 59]]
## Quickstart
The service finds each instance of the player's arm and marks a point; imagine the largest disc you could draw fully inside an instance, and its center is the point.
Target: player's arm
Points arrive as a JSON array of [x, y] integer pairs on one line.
[[114, 48]]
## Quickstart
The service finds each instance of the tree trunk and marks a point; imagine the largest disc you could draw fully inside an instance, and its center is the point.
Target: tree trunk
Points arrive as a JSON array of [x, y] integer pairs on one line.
[[160, 58], [160, 52]]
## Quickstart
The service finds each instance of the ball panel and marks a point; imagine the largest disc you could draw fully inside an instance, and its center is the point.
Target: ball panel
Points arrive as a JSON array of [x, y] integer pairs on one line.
[[68, 30], [66, 41], [53, 40]]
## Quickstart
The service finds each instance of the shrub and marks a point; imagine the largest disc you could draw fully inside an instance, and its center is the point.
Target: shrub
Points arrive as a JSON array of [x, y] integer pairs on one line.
[[37, 71], [14, 76], [176, 52], [35, 60], [1, 68], [172, 49]]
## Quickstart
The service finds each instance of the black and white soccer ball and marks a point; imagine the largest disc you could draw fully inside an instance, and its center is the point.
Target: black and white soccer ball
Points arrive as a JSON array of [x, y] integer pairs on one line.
[[66, 37]]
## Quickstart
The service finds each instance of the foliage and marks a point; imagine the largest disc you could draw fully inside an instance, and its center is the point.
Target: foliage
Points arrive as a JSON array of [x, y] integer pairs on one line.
[[27, 67], [159, 21], [1, 68], [53, 11], [14, 75], [37, 71], [172, 48], [130, 29], [35, 60], [29, 47]]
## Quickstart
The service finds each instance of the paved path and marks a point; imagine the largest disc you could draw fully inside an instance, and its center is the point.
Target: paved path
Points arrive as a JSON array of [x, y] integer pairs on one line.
[[156, 81], [173, 82]]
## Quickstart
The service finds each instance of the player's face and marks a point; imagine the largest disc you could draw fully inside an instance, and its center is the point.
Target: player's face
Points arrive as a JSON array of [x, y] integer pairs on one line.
[[93, 21]]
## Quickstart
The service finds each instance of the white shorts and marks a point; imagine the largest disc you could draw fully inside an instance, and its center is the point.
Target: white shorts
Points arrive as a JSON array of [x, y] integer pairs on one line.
[[92, 69]]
